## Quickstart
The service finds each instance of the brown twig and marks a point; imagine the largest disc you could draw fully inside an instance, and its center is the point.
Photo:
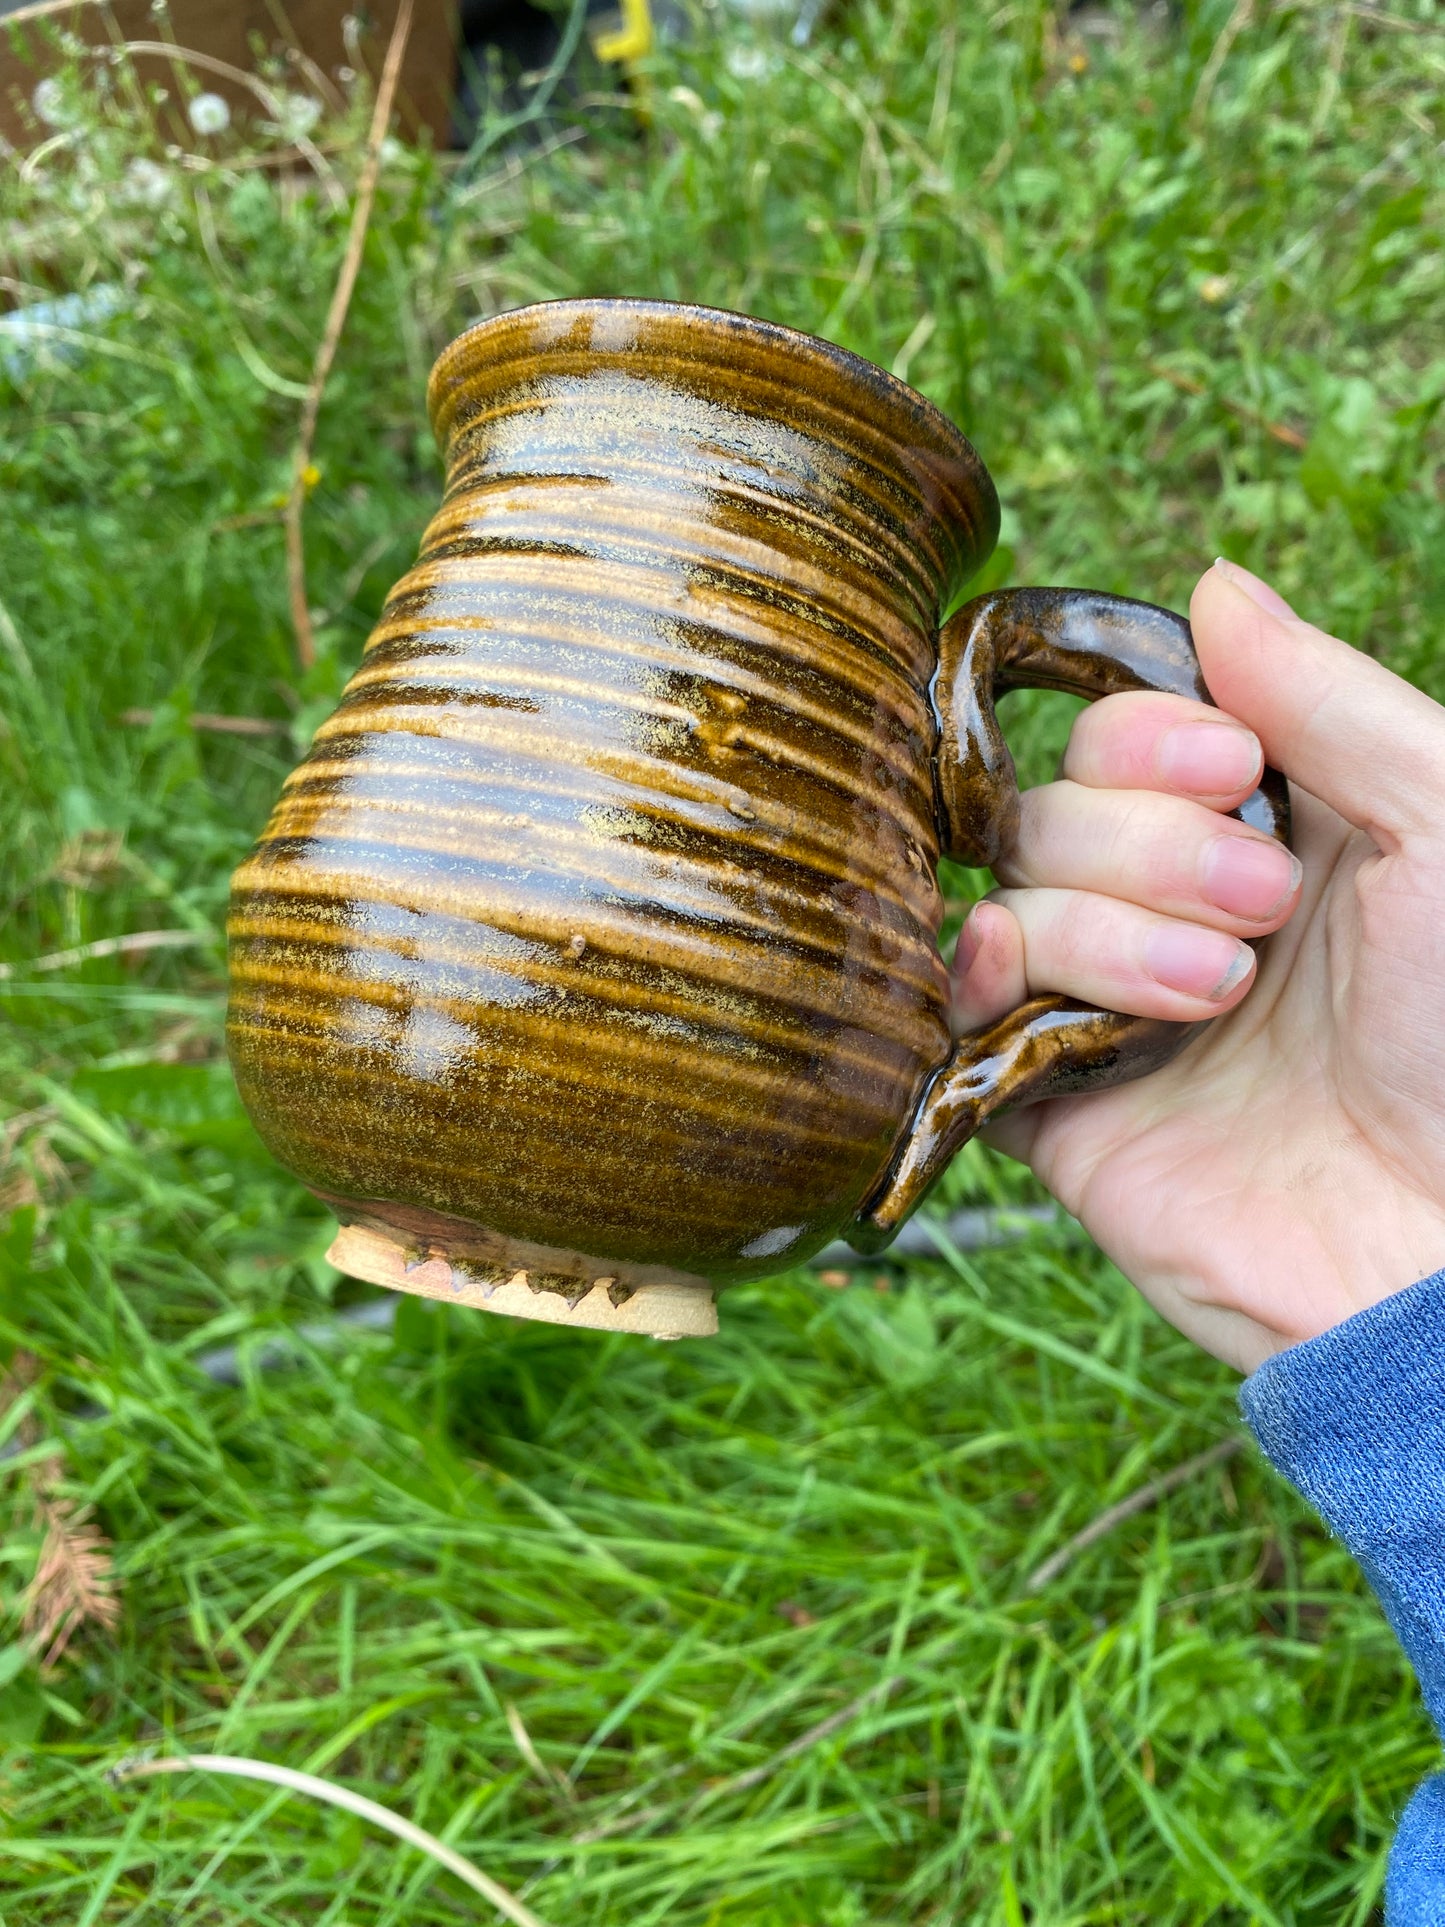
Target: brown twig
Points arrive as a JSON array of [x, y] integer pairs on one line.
[[1187, 385], [280, 157], [218, 725], [335, 322], [1378, 17], [130, 946], [1140, 1501], [251, 518], [755, 1775]]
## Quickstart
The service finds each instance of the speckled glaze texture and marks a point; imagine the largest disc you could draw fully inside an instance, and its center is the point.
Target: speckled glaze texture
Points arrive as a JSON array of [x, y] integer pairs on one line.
[[598, 929]]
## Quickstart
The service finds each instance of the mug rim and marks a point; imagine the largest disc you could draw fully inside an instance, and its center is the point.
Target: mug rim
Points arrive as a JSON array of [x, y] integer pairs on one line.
[[927, 420]]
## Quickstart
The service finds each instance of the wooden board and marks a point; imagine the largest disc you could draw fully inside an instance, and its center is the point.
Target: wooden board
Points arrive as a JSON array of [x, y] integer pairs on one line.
[[231, 30]]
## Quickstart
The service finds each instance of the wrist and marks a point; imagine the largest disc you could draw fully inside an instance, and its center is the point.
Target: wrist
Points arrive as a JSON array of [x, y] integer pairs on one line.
[[1372, 1257]]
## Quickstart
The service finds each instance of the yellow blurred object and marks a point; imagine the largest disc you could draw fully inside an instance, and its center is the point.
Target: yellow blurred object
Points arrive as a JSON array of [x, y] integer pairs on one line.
[[628, 45]]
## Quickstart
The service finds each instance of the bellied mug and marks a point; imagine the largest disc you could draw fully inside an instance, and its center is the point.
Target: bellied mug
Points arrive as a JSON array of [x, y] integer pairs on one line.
[[590, 960]]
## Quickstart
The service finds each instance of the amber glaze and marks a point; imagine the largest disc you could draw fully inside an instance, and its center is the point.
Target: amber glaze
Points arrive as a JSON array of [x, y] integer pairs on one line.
[[597, 933]]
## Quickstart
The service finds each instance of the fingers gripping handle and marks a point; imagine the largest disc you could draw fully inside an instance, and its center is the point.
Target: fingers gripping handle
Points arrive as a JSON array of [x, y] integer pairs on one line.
[[1089, 645], [1070, 639]]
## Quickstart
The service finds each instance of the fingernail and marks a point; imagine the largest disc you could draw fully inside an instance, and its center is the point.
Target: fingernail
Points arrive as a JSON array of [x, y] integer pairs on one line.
[[967, 946], [1200, 963], [1257, 591], [1248, 877], [1209, 759]]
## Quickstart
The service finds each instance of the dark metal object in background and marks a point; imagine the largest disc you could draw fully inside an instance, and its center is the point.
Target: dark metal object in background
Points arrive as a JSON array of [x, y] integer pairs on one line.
[[982, 1228], [223, 1365], [504, 45]]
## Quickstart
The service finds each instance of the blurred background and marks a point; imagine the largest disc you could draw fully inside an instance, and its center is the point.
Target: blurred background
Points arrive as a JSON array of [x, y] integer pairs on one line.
[[739, 1630]]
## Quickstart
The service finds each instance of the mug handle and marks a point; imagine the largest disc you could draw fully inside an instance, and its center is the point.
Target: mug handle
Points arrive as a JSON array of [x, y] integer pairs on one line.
[[1089, 645]]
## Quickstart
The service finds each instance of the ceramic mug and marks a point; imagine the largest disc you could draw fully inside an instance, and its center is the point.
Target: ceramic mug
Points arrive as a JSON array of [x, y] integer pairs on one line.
[[589, 960]]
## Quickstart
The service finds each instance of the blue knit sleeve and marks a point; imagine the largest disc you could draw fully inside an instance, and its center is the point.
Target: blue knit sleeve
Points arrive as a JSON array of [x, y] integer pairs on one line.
[[1356, 1419]]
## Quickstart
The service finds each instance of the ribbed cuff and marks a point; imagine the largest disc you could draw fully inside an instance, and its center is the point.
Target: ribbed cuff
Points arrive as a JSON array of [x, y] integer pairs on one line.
[[1356, 1419]]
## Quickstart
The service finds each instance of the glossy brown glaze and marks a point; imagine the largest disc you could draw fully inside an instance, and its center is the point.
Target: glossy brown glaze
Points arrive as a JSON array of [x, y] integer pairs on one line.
[[602, 914], [1088, 645], [597, 933]]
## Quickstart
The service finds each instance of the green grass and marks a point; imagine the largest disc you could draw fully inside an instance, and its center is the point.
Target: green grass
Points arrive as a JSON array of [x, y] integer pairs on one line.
[[673, 1561]]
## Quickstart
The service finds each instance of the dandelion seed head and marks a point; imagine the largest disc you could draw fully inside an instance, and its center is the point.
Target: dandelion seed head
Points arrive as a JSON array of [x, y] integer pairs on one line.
[[50, 103], [147, 183], [749, 63], [299, 113], [209, 114]]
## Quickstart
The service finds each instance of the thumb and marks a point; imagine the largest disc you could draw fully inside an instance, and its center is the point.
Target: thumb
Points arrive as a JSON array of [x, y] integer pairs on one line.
[[1336, 722]]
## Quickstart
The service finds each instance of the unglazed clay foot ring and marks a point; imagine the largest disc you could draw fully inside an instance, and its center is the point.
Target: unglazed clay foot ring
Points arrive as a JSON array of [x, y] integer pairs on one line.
[[651, 1311]]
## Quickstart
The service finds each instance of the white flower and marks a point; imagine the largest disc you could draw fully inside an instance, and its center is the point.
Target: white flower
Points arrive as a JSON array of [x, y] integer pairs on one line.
[[147, 184], [749, 63], [50, 103], [709, 122], [298, 114], [209, 114]]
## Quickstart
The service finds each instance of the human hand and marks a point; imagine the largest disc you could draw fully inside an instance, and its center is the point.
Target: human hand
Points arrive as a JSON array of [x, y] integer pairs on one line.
[[1288, 1168]]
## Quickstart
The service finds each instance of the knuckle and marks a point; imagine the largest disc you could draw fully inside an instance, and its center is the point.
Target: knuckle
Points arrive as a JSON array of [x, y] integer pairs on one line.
[[1150, 847], [1033, 854], [1075, 934]]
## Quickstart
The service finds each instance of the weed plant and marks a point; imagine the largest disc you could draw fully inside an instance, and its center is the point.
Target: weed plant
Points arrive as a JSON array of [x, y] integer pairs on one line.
[[569, 1600]]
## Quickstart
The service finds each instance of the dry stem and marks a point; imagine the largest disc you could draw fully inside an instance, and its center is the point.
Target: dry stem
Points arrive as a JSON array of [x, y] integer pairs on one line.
[[1233, 27], [335, 322], [315, 1788], [218, 725], [1139, 1501], [130, 946], [1187, 385]]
